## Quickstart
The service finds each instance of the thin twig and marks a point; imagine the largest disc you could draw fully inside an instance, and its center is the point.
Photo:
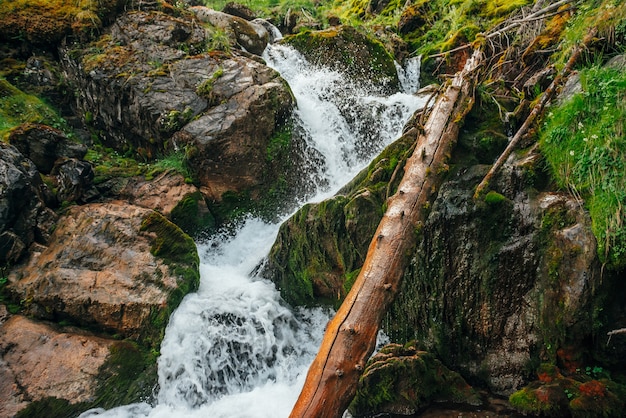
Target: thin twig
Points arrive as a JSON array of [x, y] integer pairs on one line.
[[543, 101]]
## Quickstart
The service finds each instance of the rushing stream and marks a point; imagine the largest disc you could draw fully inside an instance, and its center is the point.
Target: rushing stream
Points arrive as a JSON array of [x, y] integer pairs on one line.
[[234, 349]]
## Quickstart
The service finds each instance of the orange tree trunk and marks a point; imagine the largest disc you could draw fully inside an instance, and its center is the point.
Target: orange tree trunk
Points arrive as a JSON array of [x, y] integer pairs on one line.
[[350, 336]]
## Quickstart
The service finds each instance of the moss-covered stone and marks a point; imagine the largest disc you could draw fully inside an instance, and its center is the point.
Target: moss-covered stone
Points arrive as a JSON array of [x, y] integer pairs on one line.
[[48, 21], [319, 250], [190, 217], [129, 375], [403, 380], [347, 50], [580, 395], [175, 247], [178, 251], [17, 107]]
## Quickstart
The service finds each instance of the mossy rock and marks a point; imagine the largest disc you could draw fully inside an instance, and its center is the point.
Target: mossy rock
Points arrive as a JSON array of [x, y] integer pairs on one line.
[[129, 375], [17, 108], [580, 395], [192, 215], [320, 249], [347, 50], [48, 21], [179, 252], [403, 380]]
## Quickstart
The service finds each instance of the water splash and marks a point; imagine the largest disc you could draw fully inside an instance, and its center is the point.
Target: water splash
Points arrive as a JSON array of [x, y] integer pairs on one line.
[[234, 349], [409, 75], [345, 122]]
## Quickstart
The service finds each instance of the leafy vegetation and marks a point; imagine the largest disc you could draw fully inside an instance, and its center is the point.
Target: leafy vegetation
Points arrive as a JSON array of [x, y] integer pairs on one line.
[[584, 143]]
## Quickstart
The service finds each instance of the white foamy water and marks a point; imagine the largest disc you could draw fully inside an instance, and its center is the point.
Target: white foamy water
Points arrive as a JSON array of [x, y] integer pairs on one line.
[[234, 348]]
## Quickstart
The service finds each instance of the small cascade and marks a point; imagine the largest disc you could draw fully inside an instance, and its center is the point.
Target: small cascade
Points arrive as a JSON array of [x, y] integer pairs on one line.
[[234, 349], [409, 75]]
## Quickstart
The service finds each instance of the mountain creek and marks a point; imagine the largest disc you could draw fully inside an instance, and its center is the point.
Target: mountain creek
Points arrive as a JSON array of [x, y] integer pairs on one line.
[[192, 194]]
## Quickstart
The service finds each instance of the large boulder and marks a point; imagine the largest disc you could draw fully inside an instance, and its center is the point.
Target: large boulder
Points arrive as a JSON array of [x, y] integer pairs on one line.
[[493, 285], [24, 217], [169, 194], [148, 85], [115, 267], [249, 35], [49, 370]]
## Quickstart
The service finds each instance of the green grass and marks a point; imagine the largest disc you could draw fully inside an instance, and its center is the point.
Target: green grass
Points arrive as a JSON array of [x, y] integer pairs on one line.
[[17, 107], [584, 141]]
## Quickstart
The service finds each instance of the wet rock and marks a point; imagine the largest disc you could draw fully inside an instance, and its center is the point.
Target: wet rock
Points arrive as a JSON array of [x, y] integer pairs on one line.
[[492, 286], [11, 247], [39, 361], [43, 145], [402, 380], [482, 292], [24, 217], [251, 36], [114, 267], [319, 250], [170, 195]]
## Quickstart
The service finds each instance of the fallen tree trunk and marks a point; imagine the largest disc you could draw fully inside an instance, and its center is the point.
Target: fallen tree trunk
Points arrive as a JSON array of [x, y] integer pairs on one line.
[[350, 336]]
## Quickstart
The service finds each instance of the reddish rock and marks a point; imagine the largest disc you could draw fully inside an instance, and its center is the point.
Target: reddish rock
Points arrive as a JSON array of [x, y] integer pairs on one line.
[[39, 361], [99, 270]]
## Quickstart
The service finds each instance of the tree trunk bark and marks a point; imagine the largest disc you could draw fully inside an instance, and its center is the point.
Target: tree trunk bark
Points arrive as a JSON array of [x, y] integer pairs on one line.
[[350, 336]]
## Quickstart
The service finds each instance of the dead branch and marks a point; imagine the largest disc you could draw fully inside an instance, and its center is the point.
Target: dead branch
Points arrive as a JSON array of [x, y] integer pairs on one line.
[[616, 331], [537, 109], [544, 13]]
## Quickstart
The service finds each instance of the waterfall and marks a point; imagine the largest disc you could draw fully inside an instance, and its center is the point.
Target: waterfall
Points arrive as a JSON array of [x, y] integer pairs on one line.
[[409, 75], [234, 349]]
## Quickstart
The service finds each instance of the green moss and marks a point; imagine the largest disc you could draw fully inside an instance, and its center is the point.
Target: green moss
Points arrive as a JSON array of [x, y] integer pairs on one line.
[[53, 408], [189, 218], [171, 243], [279, 144], [205, 88], [178, 251], [128, 375], [494, 198], [48, 21], [17, 107], [405, 378], [577, 396]]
